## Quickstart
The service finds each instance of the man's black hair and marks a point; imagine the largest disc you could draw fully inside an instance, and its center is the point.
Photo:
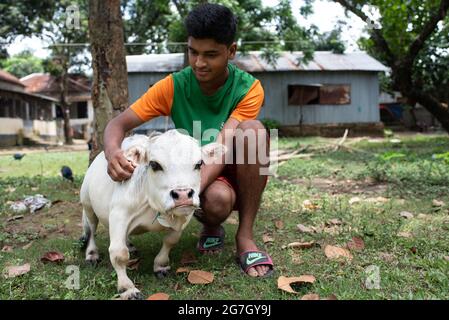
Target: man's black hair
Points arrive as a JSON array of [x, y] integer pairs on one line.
[[212, 21]]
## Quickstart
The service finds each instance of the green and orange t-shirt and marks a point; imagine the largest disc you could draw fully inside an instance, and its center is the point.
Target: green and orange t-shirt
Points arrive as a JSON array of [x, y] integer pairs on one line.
[[179, 95]]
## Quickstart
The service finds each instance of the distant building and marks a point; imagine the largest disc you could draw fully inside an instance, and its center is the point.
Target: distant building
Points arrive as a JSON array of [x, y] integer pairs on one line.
[[24, 115], [328, 94], [79, 98]]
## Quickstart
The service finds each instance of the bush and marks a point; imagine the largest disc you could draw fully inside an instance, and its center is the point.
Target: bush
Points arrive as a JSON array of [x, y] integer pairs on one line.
[[271, 123]]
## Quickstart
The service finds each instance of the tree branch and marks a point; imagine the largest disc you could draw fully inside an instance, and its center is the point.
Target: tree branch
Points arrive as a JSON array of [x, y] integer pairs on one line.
[[427, 30], [376, 34]]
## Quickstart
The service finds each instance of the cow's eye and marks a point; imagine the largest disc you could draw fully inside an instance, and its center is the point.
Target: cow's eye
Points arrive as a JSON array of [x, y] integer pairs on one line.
[[155, 166], [198, 165]]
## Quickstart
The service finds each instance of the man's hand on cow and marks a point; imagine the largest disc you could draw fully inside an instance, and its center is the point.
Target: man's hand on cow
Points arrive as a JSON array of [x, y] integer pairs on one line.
[[120, 168]]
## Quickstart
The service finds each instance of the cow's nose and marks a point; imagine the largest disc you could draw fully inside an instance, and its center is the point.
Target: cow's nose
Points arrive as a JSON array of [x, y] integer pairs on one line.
[[181, 194]]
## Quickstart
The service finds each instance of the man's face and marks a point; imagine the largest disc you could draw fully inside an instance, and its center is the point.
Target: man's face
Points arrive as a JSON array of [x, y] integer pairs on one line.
[[208, 58]]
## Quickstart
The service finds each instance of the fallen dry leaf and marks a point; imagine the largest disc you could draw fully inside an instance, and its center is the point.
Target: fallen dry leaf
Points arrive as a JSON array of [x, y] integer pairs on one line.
[[334, 222], [406, 214], [301, 245], [159, 296], [446, 258], [438, 203], [133, 264], [188, 258], [27, 246], [335, 253], [310, 296], [52, 256], [308, 205], [182, 270], [15, 271], [377, 200], [284, 283], [331, 297], [279, 224], [200, 277], [404, 234], [354, 200], [413, 250], [7, 249], [267, 238], [305, 229], [13, 218], [177, 287], [356, 244], [333, 230]]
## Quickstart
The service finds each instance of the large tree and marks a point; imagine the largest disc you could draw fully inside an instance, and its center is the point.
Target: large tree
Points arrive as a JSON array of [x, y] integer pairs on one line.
[[110, 81], [22, 18], [68, 26], [412, 39]]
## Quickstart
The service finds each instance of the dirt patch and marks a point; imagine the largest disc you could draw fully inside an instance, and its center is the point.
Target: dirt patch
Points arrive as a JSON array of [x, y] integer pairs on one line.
[[331, 186], [61, 220]]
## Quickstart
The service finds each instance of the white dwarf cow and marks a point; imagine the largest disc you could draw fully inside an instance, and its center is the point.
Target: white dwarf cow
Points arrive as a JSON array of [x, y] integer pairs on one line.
[[161, 195]]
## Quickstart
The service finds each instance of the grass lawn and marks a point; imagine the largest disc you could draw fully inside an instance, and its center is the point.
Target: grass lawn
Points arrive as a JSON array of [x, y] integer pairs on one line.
[[365, 187]]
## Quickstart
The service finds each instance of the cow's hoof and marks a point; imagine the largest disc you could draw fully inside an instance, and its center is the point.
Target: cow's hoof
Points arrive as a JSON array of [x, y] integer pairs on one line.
[[131, 294], [93, 261], [161, 274]]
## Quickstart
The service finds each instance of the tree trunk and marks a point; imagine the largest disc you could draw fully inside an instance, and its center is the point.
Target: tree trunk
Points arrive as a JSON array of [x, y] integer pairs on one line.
[[436, 108], [110, 79], [65, 107]]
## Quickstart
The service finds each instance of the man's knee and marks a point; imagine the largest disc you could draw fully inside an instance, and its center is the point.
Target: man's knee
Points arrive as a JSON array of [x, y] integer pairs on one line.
[[251, 125], [216, 203]]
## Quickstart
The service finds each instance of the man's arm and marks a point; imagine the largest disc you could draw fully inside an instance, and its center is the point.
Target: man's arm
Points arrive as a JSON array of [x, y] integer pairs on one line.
[[119, 168], [210, 172]]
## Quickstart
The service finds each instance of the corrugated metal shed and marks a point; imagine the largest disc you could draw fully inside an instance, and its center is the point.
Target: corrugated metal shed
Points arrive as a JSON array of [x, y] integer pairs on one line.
[[253, 62], [357, 70]]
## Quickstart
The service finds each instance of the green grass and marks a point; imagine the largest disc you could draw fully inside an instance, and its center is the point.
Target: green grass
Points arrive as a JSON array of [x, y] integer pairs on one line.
[[410, 268]]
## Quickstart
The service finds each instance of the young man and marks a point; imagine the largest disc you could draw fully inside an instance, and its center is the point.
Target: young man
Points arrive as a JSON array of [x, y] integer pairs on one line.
[[221, 97]]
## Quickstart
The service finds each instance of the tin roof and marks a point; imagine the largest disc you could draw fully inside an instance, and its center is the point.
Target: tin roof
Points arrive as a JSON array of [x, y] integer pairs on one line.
[[253, 62], [7, 77]]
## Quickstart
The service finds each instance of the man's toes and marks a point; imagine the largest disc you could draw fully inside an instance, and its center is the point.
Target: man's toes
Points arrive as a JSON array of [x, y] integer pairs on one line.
[[252, 272]]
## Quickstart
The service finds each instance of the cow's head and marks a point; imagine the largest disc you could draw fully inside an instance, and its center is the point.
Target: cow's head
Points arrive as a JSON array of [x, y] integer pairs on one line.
[[173, 161]]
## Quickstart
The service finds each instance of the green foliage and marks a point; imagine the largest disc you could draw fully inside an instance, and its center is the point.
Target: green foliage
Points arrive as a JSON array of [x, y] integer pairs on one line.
[[401, 23], [22, 64], [270, 123]]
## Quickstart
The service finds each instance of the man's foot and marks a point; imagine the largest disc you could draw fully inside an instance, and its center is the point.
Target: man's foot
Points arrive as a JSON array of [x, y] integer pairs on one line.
[[211, 240], [248, 254]]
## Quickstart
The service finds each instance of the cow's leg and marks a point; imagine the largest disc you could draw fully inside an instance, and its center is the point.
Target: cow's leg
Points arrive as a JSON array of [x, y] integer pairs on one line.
[[161, 262], [119, 255], [131, 248], [90, 223]]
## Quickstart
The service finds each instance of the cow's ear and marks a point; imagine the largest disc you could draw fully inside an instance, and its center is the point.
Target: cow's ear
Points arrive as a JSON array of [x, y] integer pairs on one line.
[[137, 154], [213, 152]]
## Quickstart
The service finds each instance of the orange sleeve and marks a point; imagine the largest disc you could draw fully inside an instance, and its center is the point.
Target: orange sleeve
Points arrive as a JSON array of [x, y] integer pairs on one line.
[[157, 101], [249, 107]]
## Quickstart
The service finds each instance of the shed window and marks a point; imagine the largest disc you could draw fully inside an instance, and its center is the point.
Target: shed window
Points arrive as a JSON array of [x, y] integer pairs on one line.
[[319, 94]]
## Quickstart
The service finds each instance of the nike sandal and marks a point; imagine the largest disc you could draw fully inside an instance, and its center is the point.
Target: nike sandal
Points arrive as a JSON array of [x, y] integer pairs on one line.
[[252, 258], [211, 242]]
